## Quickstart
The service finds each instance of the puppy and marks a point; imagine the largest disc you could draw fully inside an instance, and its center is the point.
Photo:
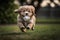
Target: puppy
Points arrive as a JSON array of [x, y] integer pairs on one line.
[[26, 17]]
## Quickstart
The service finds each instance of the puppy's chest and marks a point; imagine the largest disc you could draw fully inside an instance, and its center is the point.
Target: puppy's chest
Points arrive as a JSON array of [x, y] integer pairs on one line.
[[25, 23]]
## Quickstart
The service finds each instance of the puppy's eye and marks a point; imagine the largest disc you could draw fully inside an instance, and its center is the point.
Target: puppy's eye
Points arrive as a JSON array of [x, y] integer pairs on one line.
[[28, 11]]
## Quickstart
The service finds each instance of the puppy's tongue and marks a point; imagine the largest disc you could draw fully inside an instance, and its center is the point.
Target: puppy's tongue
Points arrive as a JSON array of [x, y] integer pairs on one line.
[[26, 18]]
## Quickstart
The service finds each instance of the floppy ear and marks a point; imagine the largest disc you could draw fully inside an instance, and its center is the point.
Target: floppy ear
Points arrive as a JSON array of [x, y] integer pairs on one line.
[[33, 10], [16, 11]]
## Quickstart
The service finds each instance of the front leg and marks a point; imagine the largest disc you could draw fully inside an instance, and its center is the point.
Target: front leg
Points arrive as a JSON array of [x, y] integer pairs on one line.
[[29, 26], [31, 23], [21, 26]]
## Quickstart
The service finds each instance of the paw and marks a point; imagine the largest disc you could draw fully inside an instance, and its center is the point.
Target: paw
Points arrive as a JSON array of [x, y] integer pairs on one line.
[[27, 27], [32, 28], [23, 29]]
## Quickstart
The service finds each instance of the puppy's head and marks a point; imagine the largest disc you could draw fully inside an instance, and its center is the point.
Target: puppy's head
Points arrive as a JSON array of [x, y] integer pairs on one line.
[[26, 12]]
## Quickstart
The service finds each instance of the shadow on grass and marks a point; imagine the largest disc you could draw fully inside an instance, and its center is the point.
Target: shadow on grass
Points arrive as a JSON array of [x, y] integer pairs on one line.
[[14, 33], [15, 36], [28, 36]]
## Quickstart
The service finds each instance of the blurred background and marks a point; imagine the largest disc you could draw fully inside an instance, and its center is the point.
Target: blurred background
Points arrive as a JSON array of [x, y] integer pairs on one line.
[[47, 23], [46, 10]]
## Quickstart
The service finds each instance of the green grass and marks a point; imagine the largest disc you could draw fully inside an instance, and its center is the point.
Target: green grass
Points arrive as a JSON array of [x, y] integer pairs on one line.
[[41, 32], [48, 20], [8, 28]]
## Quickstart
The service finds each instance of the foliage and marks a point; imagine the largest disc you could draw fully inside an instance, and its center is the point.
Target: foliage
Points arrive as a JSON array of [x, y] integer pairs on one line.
[[7, 14]]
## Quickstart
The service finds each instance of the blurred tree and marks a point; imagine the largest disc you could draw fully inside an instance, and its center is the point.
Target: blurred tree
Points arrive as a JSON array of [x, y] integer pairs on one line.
[[7, 14]]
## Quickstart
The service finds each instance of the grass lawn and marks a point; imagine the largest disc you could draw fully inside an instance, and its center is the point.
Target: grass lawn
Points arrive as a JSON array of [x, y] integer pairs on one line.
[[48, 19], [41, 32]]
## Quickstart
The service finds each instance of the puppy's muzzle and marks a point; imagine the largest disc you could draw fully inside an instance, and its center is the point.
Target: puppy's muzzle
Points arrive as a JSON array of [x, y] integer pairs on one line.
[[26, 18], [26, 13]]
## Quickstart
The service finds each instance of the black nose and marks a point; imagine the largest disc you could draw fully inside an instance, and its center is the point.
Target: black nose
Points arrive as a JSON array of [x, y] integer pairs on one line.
[[26, 13]]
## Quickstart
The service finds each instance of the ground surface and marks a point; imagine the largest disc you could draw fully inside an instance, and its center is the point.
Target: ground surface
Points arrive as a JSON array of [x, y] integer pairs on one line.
[[41, 32]]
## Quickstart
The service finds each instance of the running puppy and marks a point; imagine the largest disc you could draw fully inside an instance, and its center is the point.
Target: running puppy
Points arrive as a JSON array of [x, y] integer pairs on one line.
[[26, 17]]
